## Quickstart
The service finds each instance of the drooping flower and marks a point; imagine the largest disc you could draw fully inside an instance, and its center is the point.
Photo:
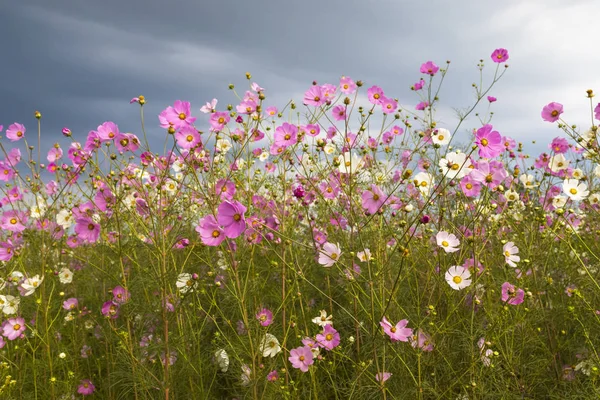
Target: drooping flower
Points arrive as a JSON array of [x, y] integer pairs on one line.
[[382, 376], [222, 359], [458, 277]]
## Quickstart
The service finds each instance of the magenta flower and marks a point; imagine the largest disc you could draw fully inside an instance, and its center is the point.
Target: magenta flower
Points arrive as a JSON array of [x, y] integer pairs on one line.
[[397, 332], [86, 387], [329, 338], [339, 113], [552, 111], [422, 341], [382, 376], [120, 295], [421, 106], [429, 68], [13, 328], [375, 94], [373, 200], [286, 135], [107, 131], [15, 132], [6, 251], [225, 189], [301, 358], [87, 230], [231, 217], [177, 116], [210, 231], [491, 99], [218, 120], [597, 111], [110, 309], [419, 85], [13, 221], [499, 55], [512, 296], [347, 85], [489, 142], [559, 145], [265, 317], [273, 376], [187, 137], [388, 105]]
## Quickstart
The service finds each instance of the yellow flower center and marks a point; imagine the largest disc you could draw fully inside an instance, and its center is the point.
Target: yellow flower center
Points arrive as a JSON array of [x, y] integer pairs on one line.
[[216, 234], [445, 244], [457, 279], [189, 138], [329, 337], [19, 133], [454, 166], [333, 256], [573, 191], [469, 186], [221, 120], [440, 137], [554, 113], [484, 142], [237, 217], [16, 327], [181, 116], [13, 221], [376, 96], [301, 358]]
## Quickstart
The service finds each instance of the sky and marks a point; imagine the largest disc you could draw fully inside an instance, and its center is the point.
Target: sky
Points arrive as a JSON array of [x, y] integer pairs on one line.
[[80, 62]]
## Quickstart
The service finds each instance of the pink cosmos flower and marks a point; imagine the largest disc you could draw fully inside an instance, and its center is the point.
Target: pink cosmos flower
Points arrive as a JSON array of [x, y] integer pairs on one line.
[[231, 217], [70, 304], [6, 171], [273, 376], [110, 309], [209, 107], [6, 251], [500, 55], [347, 85], [13, 221], [86, 387], [375, 94], [87, 230], [329, 254], [421, 106], [491, 99], [382, 376], [178, 115], [329, 338], [120, 295], [218, 120], [13, 328], [559, 145], [552, 111], [225, 189], [489, 142], [15, 132], [187, 137], [597, 111], [301, 358], [315, 96], [512, 296], [107, 131], [429, 68], [271, 111], [286, 135], [265, 317], [373, 200], [389, 105], [339, 113], [419, 85], [470, 187], [422, 341], [210, 231], [397, 332]]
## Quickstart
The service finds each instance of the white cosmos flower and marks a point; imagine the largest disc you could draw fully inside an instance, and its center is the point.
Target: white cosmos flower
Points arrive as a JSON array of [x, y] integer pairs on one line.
[[65, 275], [577, 173], [29, 285], [559, 201], [448, 241], [185, 283], [558, 162], [575, 190], [424, 182], [329, 148], [329, 254], [222, 359], [440, 136], [527, 180], [510, 251], [350, 164], [223, 145], [594, 198], [9, 304], [458, 277], [364, 256], [270, 346], [64, 218], [455, 165], [263, 156], [511, 195], [323, 319]]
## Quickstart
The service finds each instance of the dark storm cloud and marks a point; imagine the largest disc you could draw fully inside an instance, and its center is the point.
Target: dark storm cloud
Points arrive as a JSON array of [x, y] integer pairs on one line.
[[79, 62]]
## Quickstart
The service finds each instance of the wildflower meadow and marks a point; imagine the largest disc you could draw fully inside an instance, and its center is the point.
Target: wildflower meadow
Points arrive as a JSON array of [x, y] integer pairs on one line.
[[339, 246]]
